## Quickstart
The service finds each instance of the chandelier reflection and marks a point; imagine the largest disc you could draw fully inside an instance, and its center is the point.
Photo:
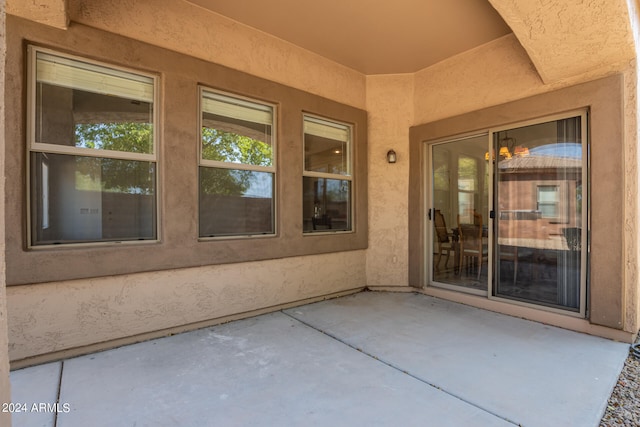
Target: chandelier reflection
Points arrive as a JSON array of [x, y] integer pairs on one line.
[[508, 149]]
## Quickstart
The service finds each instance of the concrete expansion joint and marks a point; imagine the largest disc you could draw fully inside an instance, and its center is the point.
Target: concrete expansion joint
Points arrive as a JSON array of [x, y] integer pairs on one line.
[[397, 368], [55, 419]]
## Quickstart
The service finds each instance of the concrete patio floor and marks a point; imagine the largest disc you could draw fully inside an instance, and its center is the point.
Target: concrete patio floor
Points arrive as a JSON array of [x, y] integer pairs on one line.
[[383, 359]]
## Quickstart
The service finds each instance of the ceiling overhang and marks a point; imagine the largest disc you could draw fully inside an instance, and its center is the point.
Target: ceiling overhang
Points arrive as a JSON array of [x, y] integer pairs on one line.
[[402, 36], [566, 38], [49, 12], [563, 38]]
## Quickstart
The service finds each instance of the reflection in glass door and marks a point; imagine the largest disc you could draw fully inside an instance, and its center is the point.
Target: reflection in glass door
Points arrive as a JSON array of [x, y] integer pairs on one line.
[[541, 213], [460, 213]]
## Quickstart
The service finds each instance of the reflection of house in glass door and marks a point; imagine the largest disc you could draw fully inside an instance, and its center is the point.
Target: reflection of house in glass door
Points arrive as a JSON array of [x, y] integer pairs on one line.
[[519, 204], [540, 216]]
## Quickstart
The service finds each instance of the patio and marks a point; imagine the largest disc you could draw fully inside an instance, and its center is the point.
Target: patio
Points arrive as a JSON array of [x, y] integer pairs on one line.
[[366, 359]]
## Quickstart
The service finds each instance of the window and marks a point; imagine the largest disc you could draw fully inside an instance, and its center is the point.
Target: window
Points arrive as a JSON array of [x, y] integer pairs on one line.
[[237, 166], [467, 188], [92, 152], [548, 201], [327, 177]]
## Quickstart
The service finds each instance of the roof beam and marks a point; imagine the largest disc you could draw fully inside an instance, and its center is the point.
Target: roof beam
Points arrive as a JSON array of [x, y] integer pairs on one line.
[[49, 12], [566, 38]]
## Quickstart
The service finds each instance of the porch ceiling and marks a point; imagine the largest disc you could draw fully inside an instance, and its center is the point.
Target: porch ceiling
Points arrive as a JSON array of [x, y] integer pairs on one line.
[[402, 36], [563, 38]]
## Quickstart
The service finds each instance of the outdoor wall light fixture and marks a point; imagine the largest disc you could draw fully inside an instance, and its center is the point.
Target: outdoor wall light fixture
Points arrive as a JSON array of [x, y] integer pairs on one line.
[[391, 156]]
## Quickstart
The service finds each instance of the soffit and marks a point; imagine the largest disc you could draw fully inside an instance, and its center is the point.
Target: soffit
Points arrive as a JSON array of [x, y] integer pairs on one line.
[[402, 36]]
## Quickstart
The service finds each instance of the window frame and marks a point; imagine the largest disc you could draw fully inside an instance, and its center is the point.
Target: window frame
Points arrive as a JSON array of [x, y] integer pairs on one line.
[[240, 166], [350, 169], [32, 146]]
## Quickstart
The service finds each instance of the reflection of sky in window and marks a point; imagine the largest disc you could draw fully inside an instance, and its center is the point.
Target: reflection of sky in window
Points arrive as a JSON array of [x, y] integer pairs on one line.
[[260, 185], [563, 149]]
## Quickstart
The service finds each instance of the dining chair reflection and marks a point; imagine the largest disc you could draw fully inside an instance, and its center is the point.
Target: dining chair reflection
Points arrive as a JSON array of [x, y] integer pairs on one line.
[[471, 247], [445, 245]]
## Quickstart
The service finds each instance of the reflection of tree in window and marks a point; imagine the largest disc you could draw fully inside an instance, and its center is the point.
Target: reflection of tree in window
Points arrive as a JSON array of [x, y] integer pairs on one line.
[[336, 190], [231, 147], [467, 178], [441, 177], [467, 173], [115, 175], [126, 137]]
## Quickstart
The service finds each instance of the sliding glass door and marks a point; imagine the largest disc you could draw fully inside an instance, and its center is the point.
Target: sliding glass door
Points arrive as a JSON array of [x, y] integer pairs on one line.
[[540, 198], [508, 213], [460, 213]]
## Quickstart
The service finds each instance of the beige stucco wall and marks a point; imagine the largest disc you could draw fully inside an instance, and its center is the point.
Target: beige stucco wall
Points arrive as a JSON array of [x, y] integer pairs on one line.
[[495, 73], [631, 236], [633, 185], [5, 387], [56, 316], [390, 108]]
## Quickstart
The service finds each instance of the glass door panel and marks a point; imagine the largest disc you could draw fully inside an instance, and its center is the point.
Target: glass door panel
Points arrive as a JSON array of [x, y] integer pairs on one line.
[[460, 213], [540, 218]]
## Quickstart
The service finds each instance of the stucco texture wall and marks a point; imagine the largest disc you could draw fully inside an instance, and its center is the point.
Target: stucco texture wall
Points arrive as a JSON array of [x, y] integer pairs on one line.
[[631, 187], [567, 38], [390, 108], [53, 317], [5, 387], [189, 29]]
